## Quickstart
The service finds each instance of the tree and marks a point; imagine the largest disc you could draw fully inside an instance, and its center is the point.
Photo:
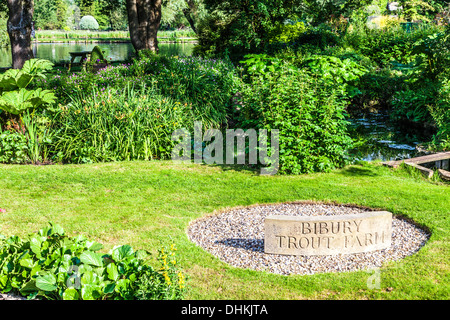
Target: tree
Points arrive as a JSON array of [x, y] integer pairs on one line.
[[240, 27], [144, 19], [191, 13], [115, 11], [19, 30]]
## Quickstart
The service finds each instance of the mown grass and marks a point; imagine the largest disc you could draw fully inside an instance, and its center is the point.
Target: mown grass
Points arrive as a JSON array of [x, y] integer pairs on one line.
[[147, 204]]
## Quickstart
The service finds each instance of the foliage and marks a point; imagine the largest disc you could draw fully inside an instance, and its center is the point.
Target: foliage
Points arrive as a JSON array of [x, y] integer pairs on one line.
[[13, 147], [97, 58], [261, 64], [4, 37], [309, 114], [15, 97], [239, 27], [128, 112], [385, 22], [205, 84], [414, 10], [118, 124], [54, 266], [440, 112], [378, 87], [433, 55], [387, 45], [319, 11], [412, 104], [344, 74], [88, 23], [286, 32]]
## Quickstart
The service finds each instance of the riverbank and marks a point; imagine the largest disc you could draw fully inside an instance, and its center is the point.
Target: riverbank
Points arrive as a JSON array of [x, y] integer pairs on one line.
[[57, 36], [114, 40]]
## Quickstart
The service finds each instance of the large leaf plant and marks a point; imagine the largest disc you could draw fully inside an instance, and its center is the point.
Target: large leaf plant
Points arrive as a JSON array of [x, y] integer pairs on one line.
[[15, 98]]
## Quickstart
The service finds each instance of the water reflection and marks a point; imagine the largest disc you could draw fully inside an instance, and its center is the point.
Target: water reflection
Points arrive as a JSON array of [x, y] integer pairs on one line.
[[380, 139], [59, 52]]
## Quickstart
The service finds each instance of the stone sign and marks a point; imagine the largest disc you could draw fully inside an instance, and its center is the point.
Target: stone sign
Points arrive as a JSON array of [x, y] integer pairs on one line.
[[327, 235]]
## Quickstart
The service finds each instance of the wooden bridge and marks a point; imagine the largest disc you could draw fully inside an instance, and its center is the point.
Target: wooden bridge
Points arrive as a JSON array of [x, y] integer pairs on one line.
[[440, 161]]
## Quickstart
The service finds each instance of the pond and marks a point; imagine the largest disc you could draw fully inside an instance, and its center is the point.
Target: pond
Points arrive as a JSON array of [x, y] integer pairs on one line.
[[380, 139], [59, 52]]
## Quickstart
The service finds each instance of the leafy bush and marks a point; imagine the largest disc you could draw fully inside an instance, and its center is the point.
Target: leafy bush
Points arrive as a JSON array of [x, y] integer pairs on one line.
[[15, 98], [440, 113], [309, 114], [51, 265], [205, 84], [386, 45], [237, 28], [433, 55], [88, 23], [412, 104], [129, 112], [13, 147], [378, 87], [285, 33], [133, 123], [344, 74]]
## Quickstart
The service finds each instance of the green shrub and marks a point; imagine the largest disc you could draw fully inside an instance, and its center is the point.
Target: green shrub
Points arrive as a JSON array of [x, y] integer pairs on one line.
[[129, 112], [378, 87], [51, 265], [13, 147], [343, 74], [205, 84], [15, 97], [132, 123], [387, 45], [88, 23], [309, 114], [285, 33], [412, 104], [440, 113]]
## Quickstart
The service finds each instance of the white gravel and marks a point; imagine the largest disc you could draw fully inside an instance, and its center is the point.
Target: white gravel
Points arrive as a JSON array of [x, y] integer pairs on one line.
[[237, 238]]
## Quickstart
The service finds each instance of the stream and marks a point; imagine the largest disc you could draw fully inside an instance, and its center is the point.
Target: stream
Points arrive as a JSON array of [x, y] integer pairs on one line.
[[380, 139]]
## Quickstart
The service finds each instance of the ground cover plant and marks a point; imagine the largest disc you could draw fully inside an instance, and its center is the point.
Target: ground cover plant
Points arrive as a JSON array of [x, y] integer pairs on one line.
[[51, 265]]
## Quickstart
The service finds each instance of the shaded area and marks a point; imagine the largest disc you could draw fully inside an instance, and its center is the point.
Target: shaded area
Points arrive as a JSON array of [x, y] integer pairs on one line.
[[378, 138], [256, 245]]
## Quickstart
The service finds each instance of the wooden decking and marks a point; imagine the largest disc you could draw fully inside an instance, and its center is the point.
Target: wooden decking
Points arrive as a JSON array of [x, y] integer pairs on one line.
[[441, 160]]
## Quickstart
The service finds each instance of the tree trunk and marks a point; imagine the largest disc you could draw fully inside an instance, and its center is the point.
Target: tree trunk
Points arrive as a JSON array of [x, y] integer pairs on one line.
[[144, 19], [188, 12], [19, 30]]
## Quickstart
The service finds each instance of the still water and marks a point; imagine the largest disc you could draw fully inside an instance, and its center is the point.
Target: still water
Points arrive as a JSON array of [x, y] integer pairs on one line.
[[59, 52], [378, 138]]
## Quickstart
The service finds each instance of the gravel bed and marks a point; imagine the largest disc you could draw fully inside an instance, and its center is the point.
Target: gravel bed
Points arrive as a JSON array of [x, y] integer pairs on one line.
[[7, 296], [237, 238]]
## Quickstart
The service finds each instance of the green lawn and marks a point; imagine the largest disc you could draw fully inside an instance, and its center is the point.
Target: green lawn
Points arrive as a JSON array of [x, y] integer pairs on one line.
[[147, 204]]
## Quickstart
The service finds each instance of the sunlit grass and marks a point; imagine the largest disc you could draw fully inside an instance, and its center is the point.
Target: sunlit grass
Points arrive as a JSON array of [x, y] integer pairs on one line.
[[147, 204]]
